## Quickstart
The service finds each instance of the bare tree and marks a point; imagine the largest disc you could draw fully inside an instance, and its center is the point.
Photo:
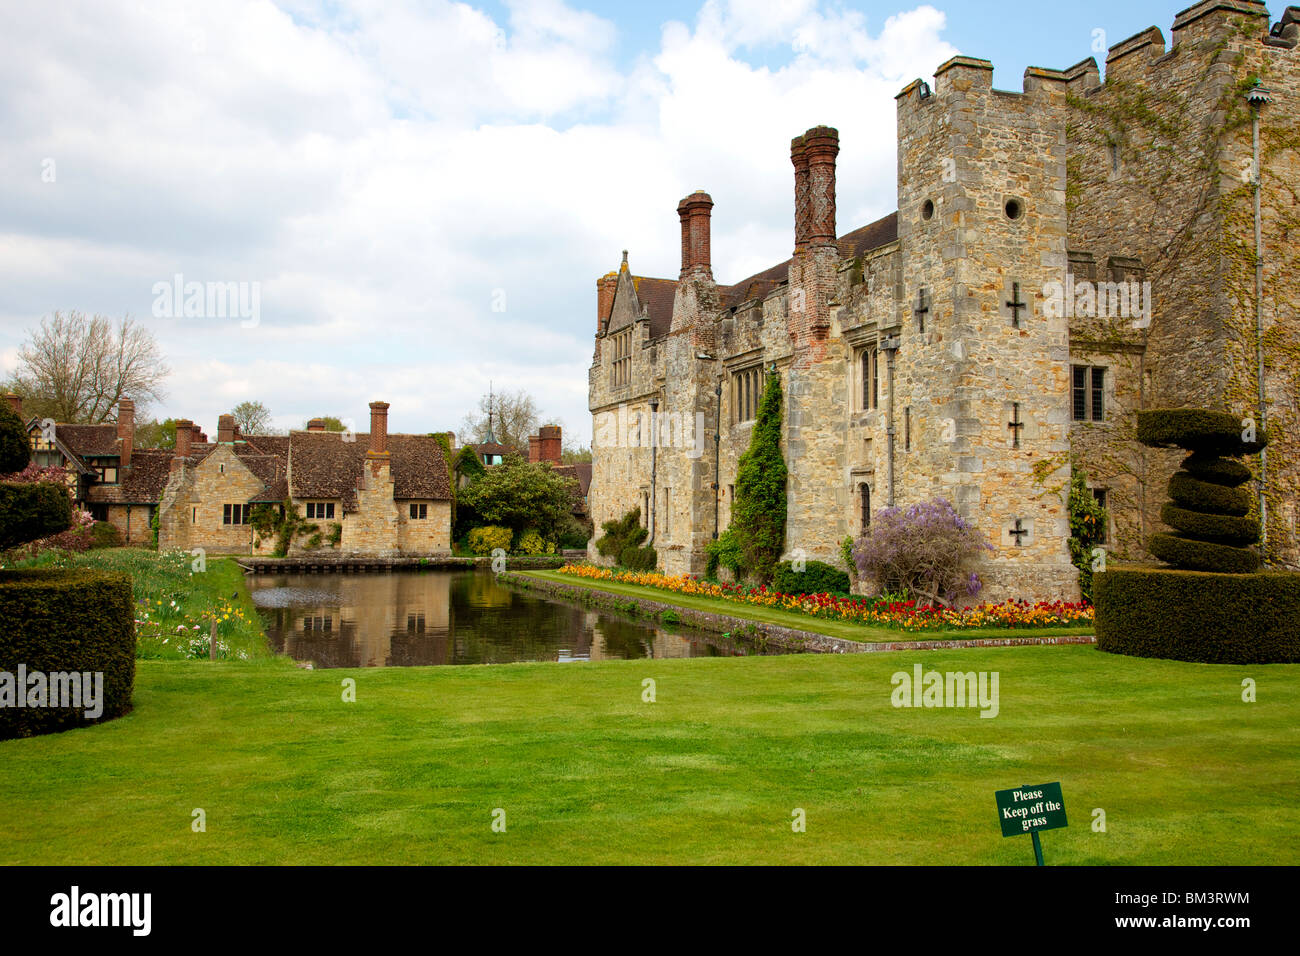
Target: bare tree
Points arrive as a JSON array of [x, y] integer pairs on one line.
[[253, 418], [514, 416], [76, 369]]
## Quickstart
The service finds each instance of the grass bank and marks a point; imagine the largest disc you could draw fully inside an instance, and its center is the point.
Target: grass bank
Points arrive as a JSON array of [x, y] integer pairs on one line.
[[176, 598], [711, 772], [846, 630]]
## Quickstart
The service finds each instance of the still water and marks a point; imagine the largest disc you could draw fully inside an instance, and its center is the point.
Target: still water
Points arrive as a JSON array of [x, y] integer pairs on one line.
[[406, 618]]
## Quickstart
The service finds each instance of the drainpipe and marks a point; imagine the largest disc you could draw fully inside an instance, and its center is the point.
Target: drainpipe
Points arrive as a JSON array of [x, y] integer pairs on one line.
[[1258, 96], [654, 464], [717, 456], [890, 345]]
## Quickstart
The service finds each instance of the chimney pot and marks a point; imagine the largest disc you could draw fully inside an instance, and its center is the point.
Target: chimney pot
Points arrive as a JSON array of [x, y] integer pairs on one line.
[[125, 431], [316, 425], [695, 212], [548, 440], [378, 429]]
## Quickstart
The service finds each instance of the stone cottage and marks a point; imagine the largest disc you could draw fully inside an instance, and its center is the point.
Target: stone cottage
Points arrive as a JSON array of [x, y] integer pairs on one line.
[[368, 495]]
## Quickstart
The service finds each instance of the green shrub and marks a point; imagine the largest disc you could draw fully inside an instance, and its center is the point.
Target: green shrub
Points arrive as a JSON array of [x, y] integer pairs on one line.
[[1203, 555], [1216, 470], [621, 534], [105, 535], [725, 552], [1220, 529], [1197, 429], [575, 535], [32, 511], [1197, 616], [64, 621], [1088, 523], [1210, 497], [488, 538], [639, 559], [336, 534], [817, 577], [15, 446], [531, 542]]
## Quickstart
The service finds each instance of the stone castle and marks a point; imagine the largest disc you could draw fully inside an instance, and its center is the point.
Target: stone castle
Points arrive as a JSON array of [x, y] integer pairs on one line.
[[1060, 258]]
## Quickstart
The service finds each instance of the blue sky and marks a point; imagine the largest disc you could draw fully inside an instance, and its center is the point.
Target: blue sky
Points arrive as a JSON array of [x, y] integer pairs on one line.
[[423, 194]]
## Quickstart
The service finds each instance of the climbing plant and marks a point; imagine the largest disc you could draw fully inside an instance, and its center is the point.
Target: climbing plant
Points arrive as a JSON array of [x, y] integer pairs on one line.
[[759, 510]]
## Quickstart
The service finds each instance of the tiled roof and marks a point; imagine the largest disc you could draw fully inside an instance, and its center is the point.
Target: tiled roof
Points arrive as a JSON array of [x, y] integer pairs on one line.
[[493, 448], [325, 466], [88, 439], [142, 483], [581, 472], [873, 236], [657, 296]]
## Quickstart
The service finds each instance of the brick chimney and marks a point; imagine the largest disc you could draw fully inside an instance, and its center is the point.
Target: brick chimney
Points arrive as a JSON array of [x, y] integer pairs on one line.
[[226, 429], [548, 438], [534, 449], [316, 425], [378, 430], [184, 435], [606, 286], [125, 431], [197, 434], [695, 211], [15, 403], [821, 145], [799, 158]]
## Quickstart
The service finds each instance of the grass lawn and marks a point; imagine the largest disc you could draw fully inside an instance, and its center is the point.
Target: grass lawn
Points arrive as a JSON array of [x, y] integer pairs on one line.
[[847, 630], [709, 773]]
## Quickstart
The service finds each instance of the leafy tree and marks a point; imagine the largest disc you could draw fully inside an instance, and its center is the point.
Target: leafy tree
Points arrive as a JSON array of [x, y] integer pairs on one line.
[[573, 455], [758, 513], [76, 369], [522, 496], [156, 434], [253, 418]]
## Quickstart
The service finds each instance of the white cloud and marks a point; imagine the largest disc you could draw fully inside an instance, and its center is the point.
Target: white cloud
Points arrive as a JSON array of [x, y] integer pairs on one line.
[[382, 168]]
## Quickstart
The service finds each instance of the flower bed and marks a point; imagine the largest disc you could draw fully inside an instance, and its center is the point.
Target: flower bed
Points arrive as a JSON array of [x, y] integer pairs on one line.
[[904, 615]]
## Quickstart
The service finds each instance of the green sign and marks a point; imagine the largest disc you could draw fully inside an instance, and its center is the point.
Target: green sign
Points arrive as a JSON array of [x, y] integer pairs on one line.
[[1030, 809]]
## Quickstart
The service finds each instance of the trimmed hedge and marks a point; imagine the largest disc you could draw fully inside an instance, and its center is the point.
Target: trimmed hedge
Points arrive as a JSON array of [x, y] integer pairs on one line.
[[1203, 555], [62, 622], [32, 511], [639, 559], [1217, 470], [15, 446], [1198, 616], [1219, 529], [1197, 429], [1209, 497], [817, 577]]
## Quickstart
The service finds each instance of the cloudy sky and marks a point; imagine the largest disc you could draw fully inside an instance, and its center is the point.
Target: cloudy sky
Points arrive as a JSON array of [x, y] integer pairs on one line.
[[423, 193]]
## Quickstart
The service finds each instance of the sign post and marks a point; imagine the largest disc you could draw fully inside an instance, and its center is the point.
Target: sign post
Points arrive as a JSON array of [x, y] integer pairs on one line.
[[1030, 809]]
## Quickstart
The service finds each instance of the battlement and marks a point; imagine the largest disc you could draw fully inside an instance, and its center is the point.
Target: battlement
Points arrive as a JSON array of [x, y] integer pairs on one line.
[[1134, 58]]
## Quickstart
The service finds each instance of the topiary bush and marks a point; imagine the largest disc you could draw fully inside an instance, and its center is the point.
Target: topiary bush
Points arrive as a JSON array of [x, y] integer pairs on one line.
[[1197, 616], [1213, 529], [105, 535], [488, 538], [58, 623], [817, 577]]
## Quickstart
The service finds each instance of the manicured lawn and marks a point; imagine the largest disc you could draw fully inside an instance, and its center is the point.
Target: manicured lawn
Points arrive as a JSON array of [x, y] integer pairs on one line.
[[847, 630], [175, 601], [710, 773]]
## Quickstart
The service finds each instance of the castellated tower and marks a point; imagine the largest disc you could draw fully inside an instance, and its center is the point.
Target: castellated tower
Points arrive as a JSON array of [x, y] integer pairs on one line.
[[980, 404]]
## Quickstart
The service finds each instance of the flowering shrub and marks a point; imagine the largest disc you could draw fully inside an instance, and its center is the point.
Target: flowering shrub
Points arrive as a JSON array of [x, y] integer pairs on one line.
[[76, 537], [922, 549], [886, 611]]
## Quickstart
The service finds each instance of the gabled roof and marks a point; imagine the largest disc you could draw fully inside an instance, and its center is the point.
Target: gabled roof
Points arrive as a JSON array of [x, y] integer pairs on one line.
[[657, 297], [67, 452]]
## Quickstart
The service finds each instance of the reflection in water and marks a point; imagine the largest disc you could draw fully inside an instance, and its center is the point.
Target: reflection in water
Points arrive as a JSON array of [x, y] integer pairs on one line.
[[406, 618]]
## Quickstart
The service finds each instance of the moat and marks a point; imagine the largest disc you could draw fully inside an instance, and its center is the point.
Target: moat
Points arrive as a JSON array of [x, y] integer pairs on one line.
[[412, 618]]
